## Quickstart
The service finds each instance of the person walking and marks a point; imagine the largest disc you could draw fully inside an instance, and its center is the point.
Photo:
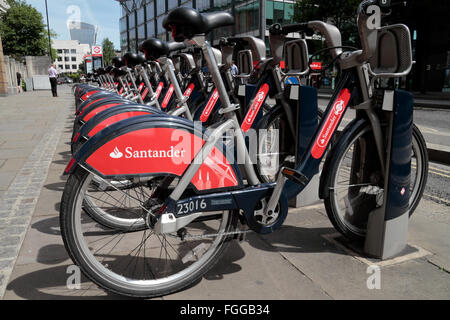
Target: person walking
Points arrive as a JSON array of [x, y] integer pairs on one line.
[[234, 68], [53, 75], [19, 81]]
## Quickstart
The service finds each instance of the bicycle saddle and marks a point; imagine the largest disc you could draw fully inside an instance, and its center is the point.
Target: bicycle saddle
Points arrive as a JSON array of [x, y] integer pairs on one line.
[[155, 48], [184, 23], [117, 62], [141, 58], [117, 72], [108, 69], [131, 59]]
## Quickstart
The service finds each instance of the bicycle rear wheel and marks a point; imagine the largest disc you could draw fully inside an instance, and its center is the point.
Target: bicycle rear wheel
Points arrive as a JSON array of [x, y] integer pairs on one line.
[[137, 262]]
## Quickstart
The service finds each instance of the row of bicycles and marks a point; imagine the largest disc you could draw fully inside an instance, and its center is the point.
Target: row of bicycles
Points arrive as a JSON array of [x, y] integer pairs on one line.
[[174, 155]]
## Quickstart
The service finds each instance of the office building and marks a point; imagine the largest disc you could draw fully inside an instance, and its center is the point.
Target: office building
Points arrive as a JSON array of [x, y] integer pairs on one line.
[[430, 30], [143, 19], [70, 55], [83, 32]]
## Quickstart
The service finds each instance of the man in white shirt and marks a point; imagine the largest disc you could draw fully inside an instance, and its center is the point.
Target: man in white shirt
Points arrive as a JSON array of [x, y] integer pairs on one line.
[[53, 75], [234, 68]]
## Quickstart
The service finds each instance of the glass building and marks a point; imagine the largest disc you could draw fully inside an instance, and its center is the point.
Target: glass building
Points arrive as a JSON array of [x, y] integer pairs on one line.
[[83, 32], [142, 19]]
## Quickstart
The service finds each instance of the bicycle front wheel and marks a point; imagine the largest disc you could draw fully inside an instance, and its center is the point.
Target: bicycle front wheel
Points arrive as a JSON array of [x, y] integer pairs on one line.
[[353, 192], [137, 262]]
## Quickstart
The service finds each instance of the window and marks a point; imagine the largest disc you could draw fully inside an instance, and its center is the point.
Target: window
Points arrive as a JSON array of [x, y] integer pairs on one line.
[[151, 29], [66, 50], [59, 59], [73, 51], [74, 66], [123, 40], [60, 51], [123, 24], [150, 10], [66, 58], [159, 27], [172, 4], [132, 34], [189, 4], [74, 59], [131, 20], [67, 67], [202, 5], [60, 66], [140, 16], [160, 7], [141, 33]]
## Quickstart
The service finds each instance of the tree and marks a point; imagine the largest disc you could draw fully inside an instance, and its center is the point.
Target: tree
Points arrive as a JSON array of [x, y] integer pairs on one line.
[[341, 13], [108, 51], [23, 31]]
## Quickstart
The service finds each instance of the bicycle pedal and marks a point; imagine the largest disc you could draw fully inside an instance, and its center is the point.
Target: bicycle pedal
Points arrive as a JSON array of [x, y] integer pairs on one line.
[[295, 176]]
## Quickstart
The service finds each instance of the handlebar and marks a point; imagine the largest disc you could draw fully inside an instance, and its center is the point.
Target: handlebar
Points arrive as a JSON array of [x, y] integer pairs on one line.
[[277, 29]]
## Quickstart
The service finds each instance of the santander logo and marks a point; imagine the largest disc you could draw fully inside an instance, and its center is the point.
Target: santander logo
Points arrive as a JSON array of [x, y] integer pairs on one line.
[[116, 154], [167, 97], [210, 106], [255, 107], [130, 153], [339, 107], [159, 89], [331, 124]]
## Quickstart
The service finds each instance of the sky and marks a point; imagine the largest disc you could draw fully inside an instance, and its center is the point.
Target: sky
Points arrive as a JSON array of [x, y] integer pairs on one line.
[[103, 13]]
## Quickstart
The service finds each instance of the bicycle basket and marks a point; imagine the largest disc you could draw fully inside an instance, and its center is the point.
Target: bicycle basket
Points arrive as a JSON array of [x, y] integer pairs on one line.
[[393, 54], [245, 62], [296, 57]]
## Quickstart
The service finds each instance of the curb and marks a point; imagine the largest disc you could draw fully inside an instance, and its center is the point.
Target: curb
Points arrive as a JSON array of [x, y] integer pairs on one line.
[[438, 153]]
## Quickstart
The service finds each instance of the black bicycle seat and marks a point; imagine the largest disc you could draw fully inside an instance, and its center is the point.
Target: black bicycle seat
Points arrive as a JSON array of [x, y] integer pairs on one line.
[[117, 72], [108, 69], [141, 58], [117, 62], [155, 48], [184, 23], [130, 59]]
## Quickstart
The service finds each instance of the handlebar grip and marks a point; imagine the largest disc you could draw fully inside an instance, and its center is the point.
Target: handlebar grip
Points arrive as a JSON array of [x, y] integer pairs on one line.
[[295, 28], [277, 29]]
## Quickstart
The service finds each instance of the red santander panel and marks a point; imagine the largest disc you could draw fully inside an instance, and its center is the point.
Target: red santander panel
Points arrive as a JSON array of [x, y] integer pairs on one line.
[[162, 150]]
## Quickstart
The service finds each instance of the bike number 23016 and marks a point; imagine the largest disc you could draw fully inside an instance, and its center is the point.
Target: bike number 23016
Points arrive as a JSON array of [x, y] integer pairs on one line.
[[191, 206]]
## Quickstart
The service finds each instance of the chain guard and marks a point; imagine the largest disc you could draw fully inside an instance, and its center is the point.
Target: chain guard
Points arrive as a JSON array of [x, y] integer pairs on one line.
[[259, 223]]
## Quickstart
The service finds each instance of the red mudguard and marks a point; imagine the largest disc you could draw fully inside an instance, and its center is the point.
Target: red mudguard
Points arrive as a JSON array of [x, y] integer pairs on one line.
[[111, 120], [154, 148]]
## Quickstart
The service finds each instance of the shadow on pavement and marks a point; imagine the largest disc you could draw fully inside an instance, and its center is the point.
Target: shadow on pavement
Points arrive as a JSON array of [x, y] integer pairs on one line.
[[51, 284], [296, 239]]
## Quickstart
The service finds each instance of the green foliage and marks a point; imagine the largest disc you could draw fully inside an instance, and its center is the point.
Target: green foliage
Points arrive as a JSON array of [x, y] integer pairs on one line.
[[75, 76], [23, 31], [341, 13], [108, 51]]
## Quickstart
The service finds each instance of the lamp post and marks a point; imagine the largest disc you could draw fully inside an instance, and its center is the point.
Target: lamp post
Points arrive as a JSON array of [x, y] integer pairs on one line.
[[48, 30]]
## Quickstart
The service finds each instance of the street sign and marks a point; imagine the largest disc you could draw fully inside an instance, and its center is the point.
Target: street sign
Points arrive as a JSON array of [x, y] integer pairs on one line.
[[97, 51]]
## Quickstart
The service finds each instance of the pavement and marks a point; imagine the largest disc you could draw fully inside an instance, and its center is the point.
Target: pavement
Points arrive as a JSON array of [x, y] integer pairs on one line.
[[306, 259]]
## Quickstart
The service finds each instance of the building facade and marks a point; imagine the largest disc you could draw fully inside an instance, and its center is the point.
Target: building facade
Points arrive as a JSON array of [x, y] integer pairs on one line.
[[70, 55], [430, 30], [143, 19], [83, 32]]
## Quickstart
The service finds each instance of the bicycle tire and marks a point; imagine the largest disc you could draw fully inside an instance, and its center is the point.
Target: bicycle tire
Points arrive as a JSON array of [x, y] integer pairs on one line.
[[331, 172], [79, 250]]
